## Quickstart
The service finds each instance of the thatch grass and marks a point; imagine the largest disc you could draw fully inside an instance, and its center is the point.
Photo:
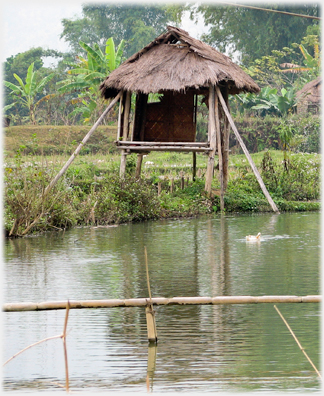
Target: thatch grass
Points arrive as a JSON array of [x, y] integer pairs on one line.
[[174, 61]]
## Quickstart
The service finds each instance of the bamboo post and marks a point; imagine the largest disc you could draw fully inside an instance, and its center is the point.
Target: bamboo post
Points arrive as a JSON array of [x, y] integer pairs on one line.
[[150, 313], [67, 386], [194, 165], [211, 138], [220, 156], [225, 142], [172, 185], [298, 343], [182, 182], [125, 133], [139, 165], [246, 152], [120, 112]]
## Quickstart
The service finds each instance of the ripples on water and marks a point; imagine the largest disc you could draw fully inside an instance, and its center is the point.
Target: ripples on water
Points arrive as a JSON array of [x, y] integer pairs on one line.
[[200, 348]]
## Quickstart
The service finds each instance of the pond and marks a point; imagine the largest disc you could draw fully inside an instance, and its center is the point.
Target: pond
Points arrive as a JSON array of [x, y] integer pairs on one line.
[[242, 347]]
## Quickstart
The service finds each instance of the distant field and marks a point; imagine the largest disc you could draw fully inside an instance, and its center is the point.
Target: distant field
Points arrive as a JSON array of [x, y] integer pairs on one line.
[[57, 139]]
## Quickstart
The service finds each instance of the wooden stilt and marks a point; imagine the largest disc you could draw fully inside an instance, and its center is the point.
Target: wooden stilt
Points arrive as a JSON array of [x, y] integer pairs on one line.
[[139, 166], [125, 132], [212, 139], [220, 157], [225, 140], [246, 152], [182, 182], [172, 186], [120, 113], [194, 165]]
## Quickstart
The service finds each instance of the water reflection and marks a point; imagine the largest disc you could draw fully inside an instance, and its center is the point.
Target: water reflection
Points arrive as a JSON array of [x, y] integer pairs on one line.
[[224, 348]]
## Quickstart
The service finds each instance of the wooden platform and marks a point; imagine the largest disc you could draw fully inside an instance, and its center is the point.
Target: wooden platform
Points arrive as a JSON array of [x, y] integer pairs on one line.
[[139, 146]]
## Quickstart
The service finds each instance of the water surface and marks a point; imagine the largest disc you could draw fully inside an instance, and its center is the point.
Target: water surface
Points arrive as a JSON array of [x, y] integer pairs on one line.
[[200, 348]]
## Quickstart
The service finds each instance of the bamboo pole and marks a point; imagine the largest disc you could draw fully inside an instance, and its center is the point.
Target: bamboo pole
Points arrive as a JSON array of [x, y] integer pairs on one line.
[[139, 165], [150, 313], [122, 170], [142, 302], [120, 112], [78, 149], [67, 386], [220, 156], [194, 165], [211, 139], [246, 152], [298, 343], [225, 141]]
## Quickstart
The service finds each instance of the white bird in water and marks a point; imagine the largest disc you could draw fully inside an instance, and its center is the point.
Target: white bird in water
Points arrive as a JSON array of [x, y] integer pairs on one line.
[[255, 238]]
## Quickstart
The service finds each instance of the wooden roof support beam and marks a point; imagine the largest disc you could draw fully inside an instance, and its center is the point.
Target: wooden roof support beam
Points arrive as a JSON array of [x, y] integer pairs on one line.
[[246, 152]]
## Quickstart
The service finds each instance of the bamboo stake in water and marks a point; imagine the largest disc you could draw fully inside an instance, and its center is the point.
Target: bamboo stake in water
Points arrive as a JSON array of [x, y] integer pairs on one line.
[[150, 315], [298, 343], [64, 346]]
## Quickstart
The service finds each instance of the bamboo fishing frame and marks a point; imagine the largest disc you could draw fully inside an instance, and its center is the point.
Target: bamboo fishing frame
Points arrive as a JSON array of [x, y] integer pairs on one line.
[[143, 302], [63, 337]]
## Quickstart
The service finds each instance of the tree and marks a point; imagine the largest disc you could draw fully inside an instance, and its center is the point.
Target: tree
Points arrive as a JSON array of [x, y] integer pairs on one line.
[[25, 93], [86, 75], [255, 33], [136, 24]]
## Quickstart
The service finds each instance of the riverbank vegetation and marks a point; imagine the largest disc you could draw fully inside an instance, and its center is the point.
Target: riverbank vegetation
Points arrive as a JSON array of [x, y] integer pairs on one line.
[[91, 192]]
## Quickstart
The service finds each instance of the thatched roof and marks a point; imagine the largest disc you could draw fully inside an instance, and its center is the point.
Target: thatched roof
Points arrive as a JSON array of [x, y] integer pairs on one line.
[[177, 62], [311, 90]]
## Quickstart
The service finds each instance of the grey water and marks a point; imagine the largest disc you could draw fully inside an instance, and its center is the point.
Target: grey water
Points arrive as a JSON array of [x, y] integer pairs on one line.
[[200, 348]]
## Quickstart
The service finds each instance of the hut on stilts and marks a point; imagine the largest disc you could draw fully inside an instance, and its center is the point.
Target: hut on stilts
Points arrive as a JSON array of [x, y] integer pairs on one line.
[[179, 68]]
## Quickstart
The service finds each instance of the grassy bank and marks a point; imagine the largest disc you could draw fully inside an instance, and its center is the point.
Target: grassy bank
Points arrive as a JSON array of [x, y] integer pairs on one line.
[[91, 191]]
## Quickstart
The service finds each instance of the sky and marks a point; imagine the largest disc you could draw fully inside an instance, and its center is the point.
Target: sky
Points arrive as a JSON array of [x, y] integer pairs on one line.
[[28, 24]]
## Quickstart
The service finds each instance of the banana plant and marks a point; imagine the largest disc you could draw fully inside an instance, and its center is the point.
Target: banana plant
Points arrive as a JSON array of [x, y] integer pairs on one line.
[[89, 72], [270, 101], [26, 92], [312, 64]]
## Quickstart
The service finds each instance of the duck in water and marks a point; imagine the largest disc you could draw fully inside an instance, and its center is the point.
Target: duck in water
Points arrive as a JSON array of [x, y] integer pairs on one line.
[[255, 238]]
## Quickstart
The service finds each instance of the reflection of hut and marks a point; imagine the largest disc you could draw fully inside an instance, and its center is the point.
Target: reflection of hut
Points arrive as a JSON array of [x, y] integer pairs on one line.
[[309, 97], [180, 68]]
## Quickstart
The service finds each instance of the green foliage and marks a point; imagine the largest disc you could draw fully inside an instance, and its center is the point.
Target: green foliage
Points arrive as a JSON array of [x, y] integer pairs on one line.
[[121, 200], [255, 33], [24, 184], [26, 93], [268, 101], [136, 24], [86, 75], [301, 182]]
